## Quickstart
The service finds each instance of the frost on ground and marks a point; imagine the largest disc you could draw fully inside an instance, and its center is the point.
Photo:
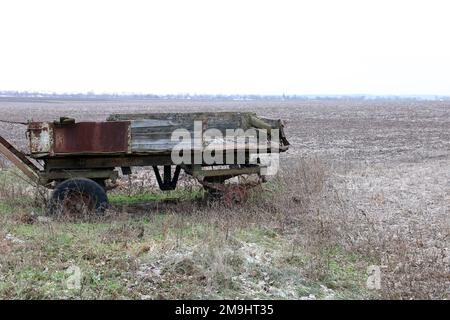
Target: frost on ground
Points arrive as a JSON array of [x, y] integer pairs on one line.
[[405, 209], [236, 270]]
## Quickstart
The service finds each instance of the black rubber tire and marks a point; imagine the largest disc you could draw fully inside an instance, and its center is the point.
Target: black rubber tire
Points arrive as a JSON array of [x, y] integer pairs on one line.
[[101, 183], [80, 186]]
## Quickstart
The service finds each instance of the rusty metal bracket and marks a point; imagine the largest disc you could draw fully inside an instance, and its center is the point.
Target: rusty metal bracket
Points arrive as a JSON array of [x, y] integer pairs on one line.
[[167, 182]]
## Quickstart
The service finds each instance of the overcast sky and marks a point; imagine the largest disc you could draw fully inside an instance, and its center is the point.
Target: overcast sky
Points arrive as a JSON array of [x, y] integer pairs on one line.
[[229, 46]]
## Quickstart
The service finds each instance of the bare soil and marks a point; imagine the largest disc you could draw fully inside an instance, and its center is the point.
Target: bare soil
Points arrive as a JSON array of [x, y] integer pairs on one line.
[[375, 131]]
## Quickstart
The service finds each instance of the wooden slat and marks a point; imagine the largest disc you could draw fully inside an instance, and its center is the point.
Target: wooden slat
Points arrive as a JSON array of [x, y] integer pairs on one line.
[[18, 159]]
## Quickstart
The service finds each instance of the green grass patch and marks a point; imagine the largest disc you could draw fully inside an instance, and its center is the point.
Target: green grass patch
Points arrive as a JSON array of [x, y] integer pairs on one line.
[[6, 207], [179, 194], [262, 236]]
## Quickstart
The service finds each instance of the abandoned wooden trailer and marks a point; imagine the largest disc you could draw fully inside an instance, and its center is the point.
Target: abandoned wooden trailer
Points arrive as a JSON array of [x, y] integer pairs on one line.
[[81, 160]]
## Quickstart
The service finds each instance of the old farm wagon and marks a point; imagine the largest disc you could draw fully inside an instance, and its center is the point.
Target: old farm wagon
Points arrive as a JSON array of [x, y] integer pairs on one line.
[[81, 160]]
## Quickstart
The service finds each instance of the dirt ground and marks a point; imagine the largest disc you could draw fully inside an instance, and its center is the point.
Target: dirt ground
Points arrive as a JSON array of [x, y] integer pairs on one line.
[[371, 131], [392, 158]]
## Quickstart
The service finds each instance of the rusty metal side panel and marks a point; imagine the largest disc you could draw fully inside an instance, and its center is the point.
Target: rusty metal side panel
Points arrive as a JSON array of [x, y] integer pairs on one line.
[[91, 137]]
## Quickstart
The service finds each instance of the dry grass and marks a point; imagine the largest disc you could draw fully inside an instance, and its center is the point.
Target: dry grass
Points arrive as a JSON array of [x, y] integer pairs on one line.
[[203, 250], [300, 235], [411, 248]]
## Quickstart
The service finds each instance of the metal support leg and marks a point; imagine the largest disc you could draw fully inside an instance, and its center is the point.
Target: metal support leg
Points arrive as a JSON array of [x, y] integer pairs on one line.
[[167, 182]]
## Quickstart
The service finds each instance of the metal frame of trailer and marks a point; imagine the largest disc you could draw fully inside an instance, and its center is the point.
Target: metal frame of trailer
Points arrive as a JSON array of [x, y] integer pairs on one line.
[[65, 150]]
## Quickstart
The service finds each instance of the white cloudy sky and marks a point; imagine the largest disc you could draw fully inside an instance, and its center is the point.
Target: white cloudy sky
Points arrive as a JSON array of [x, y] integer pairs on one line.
[[229, 46]]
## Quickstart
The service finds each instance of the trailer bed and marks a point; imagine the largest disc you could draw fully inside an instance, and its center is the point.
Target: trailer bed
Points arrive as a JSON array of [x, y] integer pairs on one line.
[[82, 160], [148, 134]]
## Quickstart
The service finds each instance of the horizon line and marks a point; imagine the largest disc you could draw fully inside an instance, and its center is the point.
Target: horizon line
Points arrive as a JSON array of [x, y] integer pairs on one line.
[[5, 93]]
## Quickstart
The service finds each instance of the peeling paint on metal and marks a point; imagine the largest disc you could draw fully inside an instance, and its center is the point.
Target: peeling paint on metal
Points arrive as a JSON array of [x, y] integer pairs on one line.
[[41, 136]]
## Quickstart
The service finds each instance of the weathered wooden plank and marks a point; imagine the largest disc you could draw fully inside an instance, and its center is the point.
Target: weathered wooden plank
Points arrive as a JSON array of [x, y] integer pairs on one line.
[[44, 177], [222, 120], [179, 116], [226, 172], [18, 163]]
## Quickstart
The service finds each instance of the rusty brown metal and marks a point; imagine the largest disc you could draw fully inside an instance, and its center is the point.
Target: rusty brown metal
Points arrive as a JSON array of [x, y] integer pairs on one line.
[[40, 135], [91, 137], [235, 195]]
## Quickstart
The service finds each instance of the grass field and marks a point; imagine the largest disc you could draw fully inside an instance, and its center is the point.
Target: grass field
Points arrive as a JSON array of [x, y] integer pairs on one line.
[[364, 184]]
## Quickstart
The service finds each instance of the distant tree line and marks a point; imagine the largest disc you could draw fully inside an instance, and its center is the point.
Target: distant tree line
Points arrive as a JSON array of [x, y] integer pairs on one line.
[[134, 96]]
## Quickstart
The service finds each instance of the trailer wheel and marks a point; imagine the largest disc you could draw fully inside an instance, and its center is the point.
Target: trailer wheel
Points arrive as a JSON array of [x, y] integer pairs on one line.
[[78, 196]]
